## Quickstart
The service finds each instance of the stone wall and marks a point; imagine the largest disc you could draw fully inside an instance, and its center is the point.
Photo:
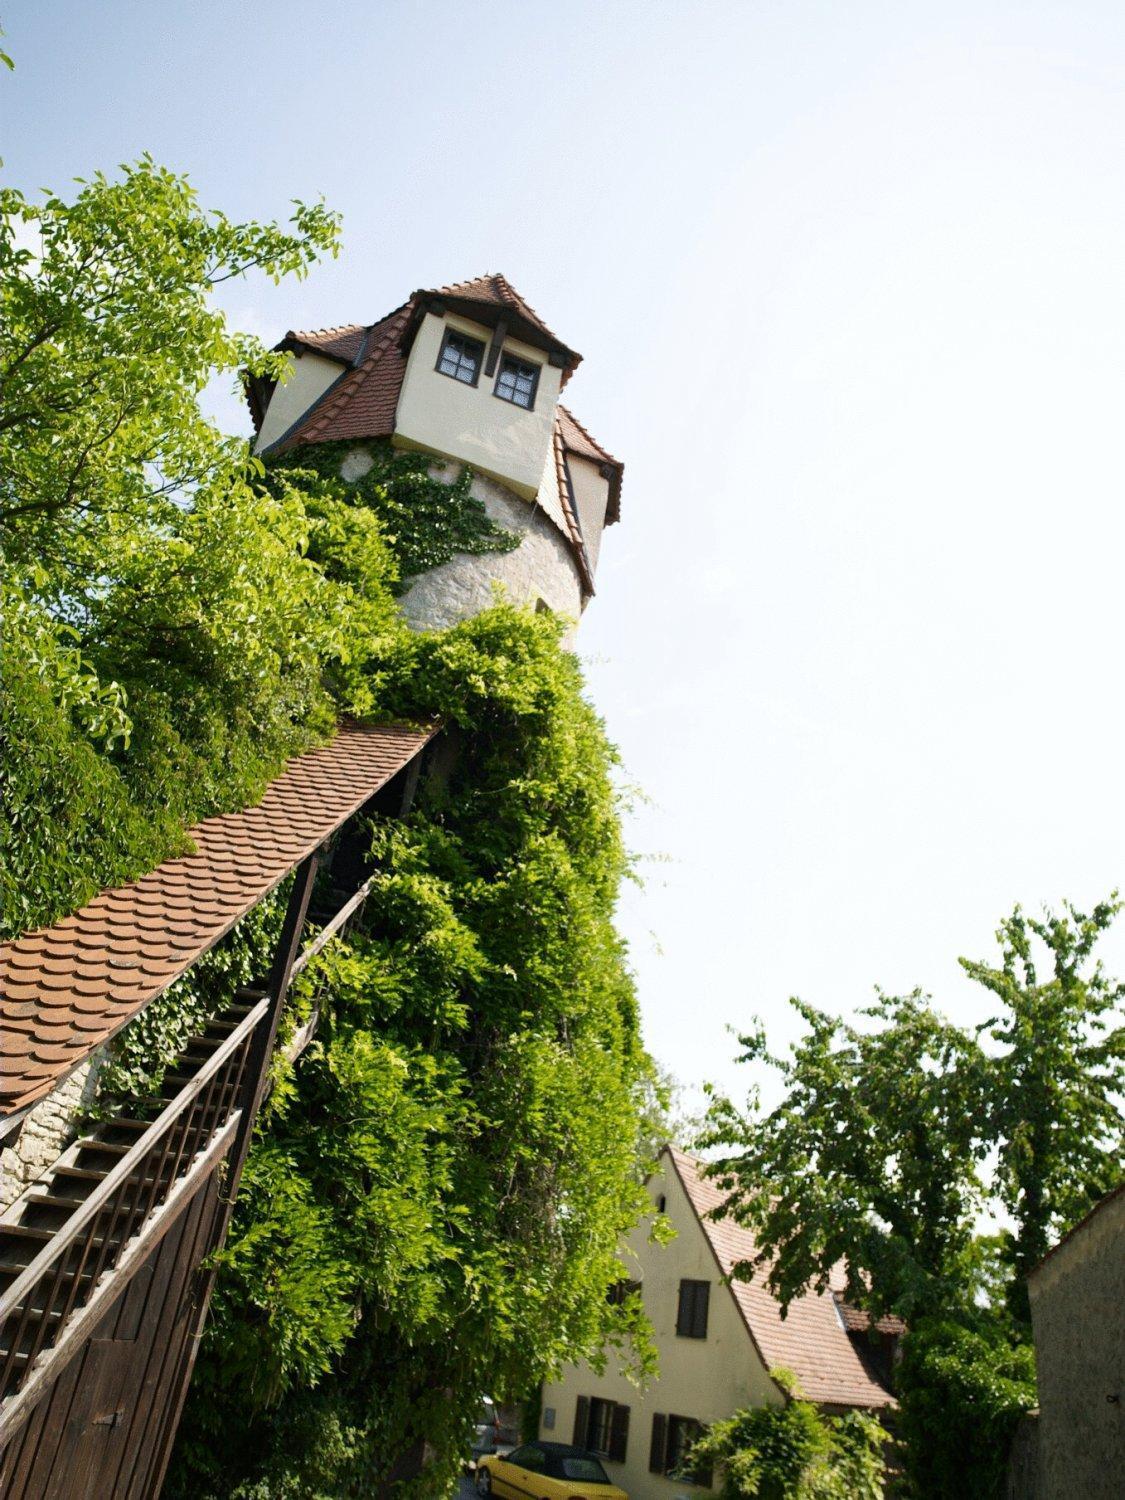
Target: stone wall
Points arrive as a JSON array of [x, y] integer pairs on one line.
[[47, 1130], [541, 567], [1078, 1318]]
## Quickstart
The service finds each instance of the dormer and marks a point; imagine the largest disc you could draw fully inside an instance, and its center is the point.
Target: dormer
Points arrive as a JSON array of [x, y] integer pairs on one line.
[[482, 381]]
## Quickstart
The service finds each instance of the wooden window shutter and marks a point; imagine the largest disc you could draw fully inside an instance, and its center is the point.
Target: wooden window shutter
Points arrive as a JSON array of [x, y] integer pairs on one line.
[[702, 1303], [691, 1314], [659, 1446], [581, 1421], [683, 1311], [619, 1434]]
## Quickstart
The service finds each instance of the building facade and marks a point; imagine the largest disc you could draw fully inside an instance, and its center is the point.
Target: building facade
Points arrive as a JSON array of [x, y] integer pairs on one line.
[[717, 1341]]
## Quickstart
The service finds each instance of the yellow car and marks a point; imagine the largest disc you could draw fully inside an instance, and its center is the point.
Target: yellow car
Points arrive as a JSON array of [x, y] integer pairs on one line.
[[545, 1471]]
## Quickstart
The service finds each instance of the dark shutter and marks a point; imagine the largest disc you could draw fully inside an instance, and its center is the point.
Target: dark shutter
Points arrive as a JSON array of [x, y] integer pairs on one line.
[[659, 1443], [619, 1434], [683, 1311], [702, 1302], [691, 1315], [581, 1421]]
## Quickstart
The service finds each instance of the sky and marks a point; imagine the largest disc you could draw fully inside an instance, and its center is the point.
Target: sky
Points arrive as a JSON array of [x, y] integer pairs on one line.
[[849, 281]]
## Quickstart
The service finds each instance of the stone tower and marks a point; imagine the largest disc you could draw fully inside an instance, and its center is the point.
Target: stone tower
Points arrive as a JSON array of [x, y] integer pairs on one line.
[[471, 374]]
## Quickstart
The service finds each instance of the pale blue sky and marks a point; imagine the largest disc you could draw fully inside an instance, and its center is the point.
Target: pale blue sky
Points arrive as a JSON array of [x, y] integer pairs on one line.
[[850, 284]]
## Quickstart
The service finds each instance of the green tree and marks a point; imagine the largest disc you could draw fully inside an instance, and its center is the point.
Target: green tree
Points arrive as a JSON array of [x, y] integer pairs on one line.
[[171, 635], [870, 1161], [874, 1156], [435, 1207], [1055, 1078]]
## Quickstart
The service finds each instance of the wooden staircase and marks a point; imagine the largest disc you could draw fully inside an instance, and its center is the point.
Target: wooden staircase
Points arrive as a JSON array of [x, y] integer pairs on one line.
[[45, 1209]]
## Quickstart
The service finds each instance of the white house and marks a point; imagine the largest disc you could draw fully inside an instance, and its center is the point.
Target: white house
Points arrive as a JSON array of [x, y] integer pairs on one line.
[[717, 1340]]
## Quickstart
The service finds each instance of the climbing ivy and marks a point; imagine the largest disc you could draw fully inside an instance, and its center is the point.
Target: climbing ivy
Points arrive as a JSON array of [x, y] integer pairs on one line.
[[433, 1204], [426, 509]]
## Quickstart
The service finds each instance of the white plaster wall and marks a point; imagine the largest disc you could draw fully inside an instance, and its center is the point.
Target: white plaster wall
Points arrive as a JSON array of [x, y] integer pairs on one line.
[[311, 377], [541, 567], [48, 1129], [702, 1378], [442, 415], [591, 494]]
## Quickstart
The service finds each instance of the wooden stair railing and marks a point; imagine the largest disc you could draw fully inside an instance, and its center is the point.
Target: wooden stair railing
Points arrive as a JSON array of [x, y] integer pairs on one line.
[[78, 1222]]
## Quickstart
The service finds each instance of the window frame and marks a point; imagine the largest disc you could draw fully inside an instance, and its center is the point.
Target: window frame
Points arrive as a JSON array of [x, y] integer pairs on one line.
[[528, 364], [665, 1427], [612, 1417], [693, 1309], [467, 338]]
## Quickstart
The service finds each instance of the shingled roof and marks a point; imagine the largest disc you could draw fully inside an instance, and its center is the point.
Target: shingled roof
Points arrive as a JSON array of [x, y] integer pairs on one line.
[[811, 1340], [66, 989], [363, 401]]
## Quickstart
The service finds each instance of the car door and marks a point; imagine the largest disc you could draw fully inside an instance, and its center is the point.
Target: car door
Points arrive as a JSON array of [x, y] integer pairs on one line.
[[514, 1479]]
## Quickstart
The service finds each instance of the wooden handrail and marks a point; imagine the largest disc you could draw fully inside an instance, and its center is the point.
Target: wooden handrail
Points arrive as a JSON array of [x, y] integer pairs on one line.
[[349, 908], [11, 1299]]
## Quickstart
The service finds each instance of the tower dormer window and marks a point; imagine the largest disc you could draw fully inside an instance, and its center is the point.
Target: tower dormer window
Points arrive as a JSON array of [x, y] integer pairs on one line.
[[517, 381], [461, 357]]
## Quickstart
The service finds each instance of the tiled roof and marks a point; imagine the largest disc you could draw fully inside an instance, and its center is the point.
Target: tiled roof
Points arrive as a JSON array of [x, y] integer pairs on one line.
[[571, 526], [497, 291], [66, 989], [344, 344], [811, 1339], [575, 439], [363, 403]]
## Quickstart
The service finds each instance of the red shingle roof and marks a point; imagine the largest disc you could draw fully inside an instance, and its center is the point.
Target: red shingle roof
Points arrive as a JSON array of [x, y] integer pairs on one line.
[[66, 989], [575, 439], [363, 403], [811, 1339], [497, 291], [343, 344]]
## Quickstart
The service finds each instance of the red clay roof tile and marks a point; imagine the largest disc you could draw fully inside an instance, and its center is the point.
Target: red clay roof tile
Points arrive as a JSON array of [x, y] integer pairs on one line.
[[811, 1339], [66, 989]]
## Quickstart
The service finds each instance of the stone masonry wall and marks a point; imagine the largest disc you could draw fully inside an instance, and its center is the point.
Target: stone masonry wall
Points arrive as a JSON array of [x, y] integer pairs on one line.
[[1078, 1319], [47, 1131], [541, 567]]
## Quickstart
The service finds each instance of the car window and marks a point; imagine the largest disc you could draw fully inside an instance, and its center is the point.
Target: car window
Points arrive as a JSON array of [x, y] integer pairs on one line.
[[583, 1468], [528, 1457], [531, 1457]]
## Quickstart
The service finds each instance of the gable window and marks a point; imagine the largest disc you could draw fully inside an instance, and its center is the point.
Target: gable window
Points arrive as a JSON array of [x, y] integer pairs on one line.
[[517, 381], [461, 357], [619, 1292], [670, 1449], [602, 1427], [691, 1315]]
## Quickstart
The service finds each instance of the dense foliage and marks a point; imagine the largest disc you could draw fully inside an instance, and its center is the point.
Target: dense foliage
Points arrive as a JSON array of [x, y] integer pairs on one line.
[[425, 524], [962, 1392], [794, 1452], [165, 634], [890, 1142], [434, 1200], [431, 1207]]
